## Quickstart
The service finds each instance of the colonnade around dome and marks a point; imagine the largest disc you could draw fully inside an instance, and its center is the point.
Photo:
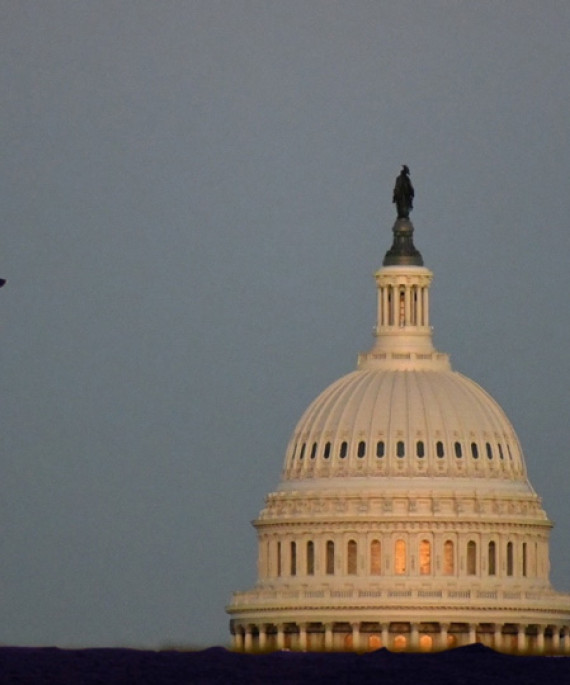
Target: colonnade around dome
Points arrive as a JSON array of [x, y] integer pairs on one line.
[[428, 636]]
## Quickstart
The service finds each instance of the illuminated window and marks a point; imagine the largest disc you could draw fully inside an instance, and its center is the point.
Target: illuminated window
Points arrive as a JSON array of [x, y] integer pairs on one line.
[[330, 558], [351, 558], [361, 449], [310, 558], [343, 449], [375, 558], [458, 450], [471, 558], [293, 558], [489, 450], [510, 563], [327, 453], [400, 642], [420, 452], [426, 643], [439, 449], [314, 450], [524, 562], [400, 557], [492, 560], [374, 642], [380, 449], [278, 558], [448, 558], [400, 449], [474, 450], [425, 558]]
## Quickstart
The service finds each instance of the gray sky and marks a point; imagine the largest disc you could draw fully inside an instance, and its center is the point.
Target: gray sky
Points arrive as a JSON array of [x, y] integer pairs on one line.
[[195, 197]]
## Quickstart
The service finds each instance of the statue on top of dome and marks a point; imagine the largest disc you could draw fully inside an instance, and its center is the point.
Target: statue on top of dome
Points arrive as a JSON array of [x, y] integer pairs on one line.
[[403, 195]]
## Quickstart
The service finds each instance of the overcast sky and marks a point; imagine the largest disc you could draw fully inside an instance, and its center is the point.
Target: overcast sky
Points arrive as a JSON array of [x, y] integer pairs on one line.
[[195, 197]]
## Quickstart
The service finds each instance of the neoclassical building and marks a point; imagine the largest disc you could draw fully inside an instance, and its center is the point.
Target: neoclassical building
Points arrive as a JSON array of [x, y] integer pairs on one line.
[[404, 516]]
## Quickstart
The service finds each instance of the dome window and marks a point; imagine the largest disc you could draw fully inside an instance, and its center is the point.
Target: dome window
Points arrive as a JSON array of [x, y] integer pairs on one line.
[[302, 455], [380, 449], [278, 558], [375, 558], [400, 449], [420, 451], [492, 560], [343, 449], [439, 449], [361, 449], [474, 450], [330, 558], [293, 558], [501, 455], [448, 558], [524, 564], [471, 558], [314, 450], [510, 559], [351, 566], [489, 450], [327, 453], [310, 558], [458, 450]]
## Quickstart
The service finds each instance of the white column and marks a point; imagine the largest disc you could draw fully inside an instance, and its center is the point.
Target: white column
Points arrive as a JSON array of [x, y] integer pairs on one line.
[[280, 636], [498, 637], [248, 639], [540, 639], [355, 636], [385, 635], [472, 634], [303, 637], [521, 638], [236, 641], [425, 306], [383, 313], [328, 636], [414, 637], [443, 628], [407, 306], [262, 636], [555, 639]]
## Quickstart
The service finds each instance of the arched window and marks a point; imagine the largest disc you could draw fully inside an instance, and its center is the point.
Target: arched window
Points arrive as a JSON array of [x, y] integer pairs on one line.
[[375, 558], [351, 565], [420, 451], [293, 558], [361, 449], [489, 450], [448, 558], [327, 453], [380, 449], [501, 455], [524, 561], [492, 559], [425, 558], [458, 450], [400, 449], [343, 449], [510, 561], [314, 450], [400, 557], [474, 450], [278, 558], [302, 455], [471, 558], [439, 449], [330, 558], [310, 558]]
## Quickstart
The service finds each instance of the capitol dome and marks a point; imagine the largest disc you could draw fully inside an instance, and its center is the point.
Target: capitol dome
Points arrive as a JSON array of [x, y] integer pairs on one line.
[[404, 517]]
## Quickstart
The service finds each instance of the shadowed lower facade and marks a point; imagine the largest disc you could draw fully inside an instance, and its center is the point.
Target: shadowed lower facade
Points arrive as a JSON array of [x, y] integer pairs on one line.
[[404, 517]]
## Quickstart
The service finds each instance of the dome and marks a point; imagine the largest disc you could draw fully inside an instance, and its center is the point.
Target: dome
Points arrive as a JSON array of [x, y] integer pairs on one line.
[[377, 422], [404, 517]]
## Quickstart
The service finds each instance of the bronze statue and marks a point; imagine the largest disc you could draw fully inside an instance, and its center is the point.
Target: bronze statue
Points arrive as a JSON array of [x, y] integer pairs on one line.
[[403, 196]]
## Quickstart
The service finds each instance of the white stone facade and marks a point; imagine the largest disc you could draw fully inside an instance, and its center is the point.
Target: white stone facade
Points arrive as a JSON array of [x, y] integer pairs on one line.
[[404, 517]]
